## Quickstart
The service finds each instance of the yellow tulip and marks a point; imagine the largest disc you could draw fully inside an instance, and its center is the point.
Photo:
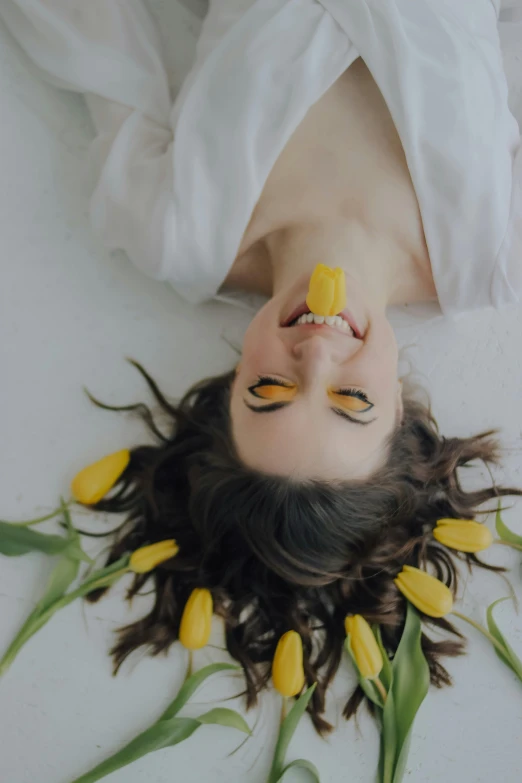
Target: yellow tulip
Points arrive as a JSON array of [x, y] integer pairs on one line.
[[148, 557], [327, 291], [93, 482], [364, 646], [196, 621], [463, 534], [287, 667], [427, 594]]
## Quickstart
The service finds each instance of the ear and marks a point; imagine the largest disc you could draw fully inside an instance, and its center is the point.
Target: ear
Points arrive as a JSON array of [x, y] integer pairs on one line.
[[399, 404]]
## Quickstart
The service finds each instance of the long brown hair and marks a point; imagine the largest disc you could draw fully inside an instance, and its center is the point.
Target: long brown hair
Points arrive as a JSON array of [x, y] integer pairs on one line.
[[279, 554]]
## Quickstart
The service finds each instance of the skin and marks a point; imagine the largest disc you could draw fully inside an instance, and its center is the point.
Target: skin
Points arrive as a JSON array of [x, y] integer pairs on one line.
[[349, 205]]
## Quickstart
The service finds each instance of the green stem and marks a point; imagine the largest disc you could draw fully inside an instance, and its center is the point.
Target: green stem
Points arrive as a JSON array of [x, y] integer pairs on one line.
[[508, 543], [37, 521], [482, 630], [277, 764], [94, 584], [190, 667], [51, 515], [382, 690]]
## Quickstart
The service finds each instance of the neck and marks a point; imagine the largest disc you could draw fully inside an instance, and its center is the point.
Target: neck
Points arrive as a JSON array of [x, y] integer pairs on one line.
[[378, 264]]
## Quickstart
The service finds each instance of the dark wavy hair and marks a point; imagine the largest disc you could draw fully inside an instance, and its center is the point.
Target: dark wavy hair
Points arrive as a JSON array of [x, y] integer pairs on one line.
[[281, 554]]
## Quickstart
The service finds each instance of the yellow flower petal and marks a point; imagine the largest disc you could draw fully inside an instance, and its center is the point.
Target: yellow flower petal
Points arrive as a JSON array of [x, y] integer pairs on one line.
[[196, 621], [287, 667], [463, 534], [327, 291], [427, 594], [339, 301], [148, 557], [92, 483], [365, 649]]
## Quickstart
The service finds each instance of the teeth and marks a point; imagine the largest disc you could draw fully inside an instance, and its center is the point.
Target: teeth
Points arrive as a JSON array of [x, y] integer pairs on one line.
[[330, 320]]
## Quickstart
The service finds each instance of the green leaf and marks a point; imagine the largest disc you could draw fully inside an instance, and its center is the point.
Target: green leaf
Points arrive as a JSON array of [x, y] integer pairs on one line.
[[411, 679], [74, 550], [16, 541], [63, 574], [286, 732], [504, 532], [369, 688], [303, 764], [192, 683], [169, 731], [164, 733], [221, 716], [510, 658], [53, 601], [411, 674]]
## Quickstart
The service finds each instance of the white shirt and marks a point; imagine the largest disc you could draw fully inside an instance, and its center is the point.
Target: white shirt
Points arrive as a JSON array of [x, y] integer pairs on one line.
[[178, 183]]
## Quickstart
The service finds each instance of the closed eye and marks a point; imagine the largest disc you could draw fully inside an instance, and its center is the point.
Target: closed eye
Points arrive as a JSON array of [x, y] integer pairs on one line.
[[273, 389], [281, 393], [353, 400]]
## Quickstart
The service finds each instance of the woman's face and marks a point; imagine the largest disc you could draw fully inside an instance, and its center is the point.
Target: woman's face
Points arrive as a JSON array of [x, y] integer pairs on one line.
[[316, 400]]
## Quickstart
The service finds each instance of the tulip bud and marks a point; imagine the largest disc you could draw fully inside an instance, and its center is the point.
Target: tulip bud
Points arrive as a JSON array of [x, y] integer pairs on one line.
[[427, 594], [196, 621], [148, 557], [463, 534], [327, 291], [93, 482], [287, 667], [365, 649]]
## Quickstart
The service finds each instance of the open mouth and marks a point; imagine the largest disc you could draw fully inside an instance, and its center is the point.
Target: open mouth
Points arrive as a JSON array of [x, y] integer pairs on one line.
[[342, 322]]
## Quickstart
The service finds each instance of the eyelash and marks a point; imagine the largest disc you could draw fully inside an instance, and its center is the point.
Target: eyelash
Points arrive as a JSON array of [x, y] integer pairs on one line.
[[267, 380], [354, 393]]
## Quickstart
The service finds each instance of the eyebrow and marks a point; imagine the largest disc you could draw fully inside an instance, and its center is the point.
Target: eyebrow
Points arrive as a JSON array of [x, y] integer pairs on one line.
[[276, 406]]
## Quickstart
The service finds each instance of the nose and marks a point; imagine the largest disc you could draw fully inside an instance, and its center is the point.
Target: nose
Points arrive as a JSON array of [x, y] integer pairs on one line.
[[315, 353]]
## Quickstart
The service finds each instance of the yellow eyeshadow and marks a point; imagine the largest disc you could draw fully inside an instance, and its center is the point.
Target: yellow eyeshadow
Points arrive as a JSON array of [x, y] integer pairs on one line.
[[349, 403], [275, 393]]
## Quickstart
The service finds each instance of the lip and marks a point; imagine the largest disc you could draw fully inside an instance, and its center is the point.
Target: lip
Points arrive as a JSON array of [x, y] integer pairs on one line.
[[303, 308]]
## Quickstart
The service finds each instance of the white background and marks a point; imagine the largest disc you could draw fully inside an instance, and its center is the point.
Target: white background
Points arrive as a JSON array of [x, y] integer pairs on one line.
[[69, 314]]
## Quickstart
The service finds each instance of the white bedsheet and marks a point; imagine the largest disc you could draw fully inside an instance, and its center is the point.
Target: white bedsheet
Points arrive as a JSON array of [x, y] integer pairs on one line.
[[69, 314]]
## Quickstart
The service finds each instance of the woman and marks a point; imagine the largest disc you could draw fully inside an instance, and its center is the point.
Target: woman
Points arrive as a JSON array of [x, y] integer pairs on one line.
[[374, 136]]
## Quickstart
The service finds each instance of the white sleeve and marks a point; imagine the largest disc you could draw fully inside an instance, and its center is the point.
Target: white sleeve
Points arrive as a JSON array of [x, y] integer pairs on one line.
[[110, 51]]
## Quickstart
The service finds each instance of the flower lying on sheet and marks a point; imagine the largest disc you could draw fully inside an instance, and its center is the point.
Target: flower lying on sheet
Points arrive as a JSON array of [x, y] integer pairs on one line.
[[92, 483], [427, 594], [148, 557], [287, 667], [196, 621], [463, 534], [364, 646]]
